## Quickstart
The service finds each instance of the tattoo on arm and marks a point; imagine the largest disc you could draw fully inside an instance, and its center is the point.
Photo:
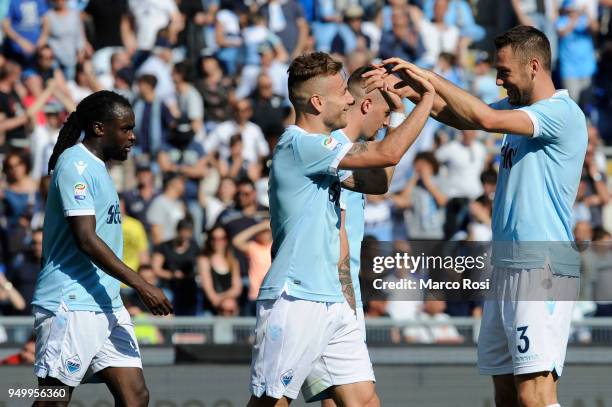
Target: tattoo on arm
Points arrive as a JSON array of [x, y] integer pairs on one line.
[[344, 272], [358, 148]]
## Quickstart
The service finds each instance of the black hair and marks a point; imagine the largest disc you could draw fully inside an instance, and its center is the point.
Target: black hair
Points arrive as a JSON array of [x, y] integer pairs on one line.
[[526, 42], [23, 156], [185, 223], [149, 79], [98, 107], [488, 176], [430, 158]]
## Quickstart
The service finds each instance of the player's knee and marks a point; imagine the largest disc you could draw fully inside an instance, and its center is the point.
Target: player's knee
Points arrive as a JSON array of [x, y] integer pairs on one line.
[[506, 399], [529, 398], [374, 401], [138, 397]]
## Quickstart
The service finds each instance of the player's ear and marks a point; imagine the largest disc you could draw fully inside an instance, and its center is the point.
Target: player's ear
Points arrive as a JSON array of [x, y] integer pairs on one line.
[[365, 106], [98, 129], [316, 102], [535, 67]]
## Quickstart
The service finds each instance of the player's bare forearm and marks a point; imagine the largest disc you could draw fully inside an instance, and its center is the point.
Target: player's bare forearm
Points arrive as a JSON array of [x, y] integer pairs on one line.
[[344, 274], [389, 151], [98, 251], [373, 181], [466, 108]]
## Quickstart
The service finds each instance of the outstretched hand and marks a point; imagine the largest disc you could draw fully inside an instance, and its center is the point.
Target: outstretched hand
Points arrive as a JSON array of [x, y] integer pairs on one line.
[[154, 299]]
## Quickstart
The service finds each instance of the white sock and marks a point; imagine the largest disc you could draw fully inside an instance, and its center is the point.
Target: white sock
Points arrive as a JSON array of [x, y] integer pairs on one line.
[[554, 405]]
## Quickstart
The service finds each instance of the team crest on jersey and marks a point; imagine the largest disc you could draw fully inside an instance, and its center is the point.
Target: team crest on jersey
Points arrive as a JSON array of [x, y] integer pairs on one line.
[[330, 143], [287, 377], [73, 364], [80, 191]]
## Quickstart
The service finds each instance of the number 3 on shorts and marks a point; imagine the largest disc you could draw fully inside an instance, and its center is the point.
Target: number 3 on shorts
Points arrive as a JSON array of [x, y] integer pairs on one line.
[[524, 338]]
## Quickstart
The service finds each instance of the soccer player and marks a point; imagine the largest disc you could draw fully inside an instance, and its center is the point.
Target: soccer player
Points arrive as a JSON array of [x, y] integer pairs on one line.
[[379, 108], [302, 312], [522, 344], [80, 322]]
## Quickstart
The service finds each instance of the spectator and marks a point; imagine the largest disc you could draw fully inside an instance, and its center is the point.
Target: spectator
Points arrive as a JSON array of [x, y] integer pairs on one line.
[[135, 240], [167, 209], [423, 200], [175, 261], [27, 28], [13, 120], [598, 260], [256, 35], [44, 137], [24, 277], [577, 62], [255, 145], [184, 155], [350, 36], [244, 212], [110, 24], [222, 200], [159, 64], [481, 213], [403, 39], [138, 200], [378, 217], [118, 60], [433, 310], [329, 16], [437, 35], [256, 243], [286, 19], [464, 160], [227, 36], [20, 191], [541, 15], [269, 109], [66, 36], [26, 356], [483, 81], [271, 64], [11, 300], [458, 14], [190, 102], [219, 275], [596, 194], [151, 16], [153, 120], [216, 90]]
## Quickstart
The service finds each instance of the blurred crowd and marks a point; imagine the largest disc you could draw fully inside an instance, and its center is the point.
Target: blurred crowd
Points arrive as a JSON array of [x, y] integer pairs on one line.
[[208, 83]]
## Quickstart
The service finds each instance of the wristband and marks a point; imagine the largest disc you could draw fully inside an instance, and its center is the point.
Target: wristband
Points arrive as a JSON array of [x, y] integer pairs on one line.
[[396, 119]]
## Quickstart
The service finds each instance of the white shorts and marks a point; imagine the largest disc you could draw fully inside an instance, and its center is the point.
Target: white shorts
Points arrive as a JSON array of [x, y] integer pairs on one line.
[[293, 334], [338, 365], [522, 337], [73, 345]]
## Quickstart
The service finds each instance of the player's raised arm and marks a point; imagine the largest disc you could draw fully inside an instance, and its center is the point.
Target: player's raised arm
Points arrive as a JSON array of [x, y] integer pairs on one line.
[[468, 109], [388, 152]]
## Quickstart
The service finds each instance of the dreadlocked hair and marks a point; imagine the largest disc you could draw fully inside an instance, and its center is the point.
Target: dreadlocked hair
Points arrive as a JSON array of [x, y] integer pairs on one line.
[[98, 107]]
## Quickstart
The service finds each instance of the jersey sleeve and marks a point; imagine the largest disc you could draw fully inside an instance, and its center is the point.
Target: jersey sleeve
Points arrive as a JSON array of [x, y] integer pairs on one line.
[[548, 118], [320, 154], [76, 191]]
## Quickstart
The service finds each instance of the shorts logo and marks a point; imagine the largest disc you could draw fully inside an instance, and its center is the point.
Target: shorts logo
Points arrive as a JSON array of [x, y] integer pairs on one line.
[[287, 377], [73, 364], [330, 143], [275, 332], [80, 191]]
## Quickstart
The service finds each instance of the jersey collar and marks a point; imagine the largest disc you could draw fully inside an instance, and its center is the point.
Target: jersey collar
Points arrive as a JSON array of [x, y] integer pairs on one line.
[[96, 158]]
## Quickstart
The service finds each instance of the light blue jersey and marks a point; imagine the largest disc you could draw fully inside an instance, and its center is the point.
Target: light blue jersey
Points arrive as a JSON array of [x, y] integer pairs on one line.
[[304, 197], [354, 222], [80, 186], [537, 185]]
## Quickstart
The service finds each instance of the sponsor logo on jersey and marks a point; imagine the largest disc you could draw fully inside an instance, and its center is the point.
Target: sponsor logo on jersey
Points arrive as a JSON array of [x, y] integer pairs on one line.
[[80, 191], [287, 377], [330, 143], [73, 364]]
